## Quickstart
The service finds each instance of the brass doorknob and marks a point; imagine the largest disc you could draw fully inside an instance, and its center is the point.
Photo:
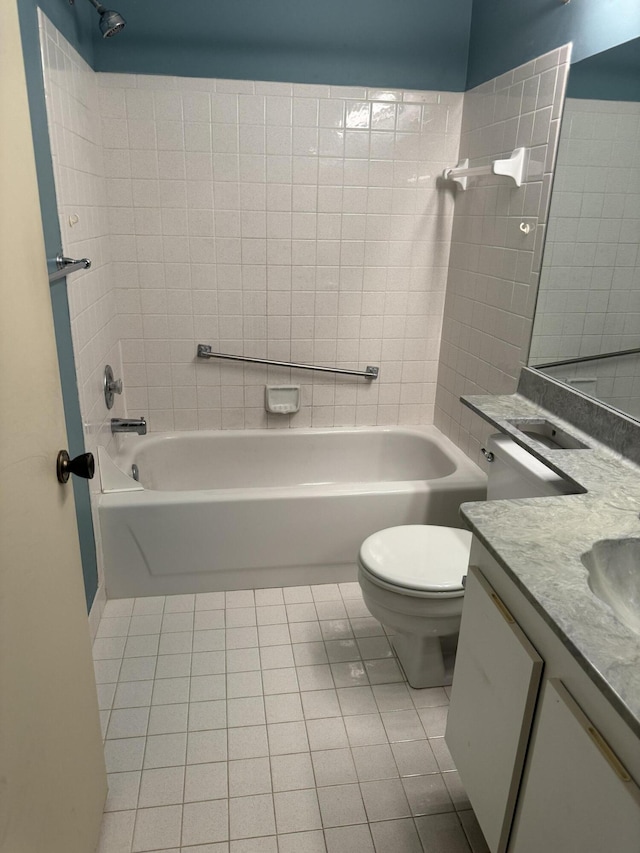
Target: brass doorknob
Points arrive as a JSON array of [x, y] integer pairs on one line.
[[82, 466]]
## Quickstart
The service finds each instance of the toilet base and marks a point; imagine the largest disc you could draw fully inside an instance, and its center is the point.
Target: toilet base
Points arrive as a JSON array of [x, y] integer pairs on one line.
[[423, 661]]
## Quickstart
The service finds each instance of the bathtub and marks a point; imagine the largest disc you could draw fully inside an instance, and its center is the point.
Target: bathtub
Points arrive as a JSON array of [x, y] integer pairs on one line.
[[223, 510]]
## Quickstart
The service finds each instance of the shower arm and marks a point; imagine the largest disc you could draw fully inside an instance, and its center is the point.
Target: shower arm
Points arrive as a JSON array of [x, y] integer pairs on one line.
[[111, 22]]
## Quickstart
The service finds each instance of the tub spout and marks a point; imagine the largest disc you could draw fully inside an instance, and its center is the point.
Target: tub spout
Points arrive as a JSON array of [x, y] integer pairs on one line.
[[138, 425]]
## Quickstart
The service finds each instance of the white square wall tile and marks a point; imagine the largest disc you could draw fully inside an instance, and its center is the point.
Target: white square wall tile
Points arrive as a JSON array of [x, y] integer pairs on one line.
[[205, 716], [349, 838], [117, 831], [206, 747], [168, 719], [333, 767], [277, 681], [248, 742], [166, 750], [269, 122], [341, 805], [249, 776], [243, 684], [297, 811], [129, 722], [124, 754], [205, 823], [292, 772], [287, 738], [245, 711], [161, 787], [396, 835], [123, 791], [205, 782], [251, 816]]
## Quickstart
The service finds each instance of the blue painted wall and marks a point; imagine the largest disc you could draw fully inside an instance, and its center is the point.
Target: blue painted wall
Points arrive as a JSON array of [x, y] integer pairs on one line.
[[75, 24], [506, 33], [420, 44], [613, 75]]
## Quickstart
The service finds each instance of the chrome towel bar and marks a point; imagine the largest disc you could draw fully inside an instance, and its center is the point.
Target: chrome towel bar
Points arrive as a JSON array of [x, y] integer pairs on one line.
[[204, 351], [65, 266]]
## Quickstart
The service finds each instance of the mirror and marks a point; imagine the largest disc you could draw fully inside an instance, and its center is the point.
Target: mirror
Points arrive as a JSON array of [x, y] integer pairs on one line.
[[586, 328]]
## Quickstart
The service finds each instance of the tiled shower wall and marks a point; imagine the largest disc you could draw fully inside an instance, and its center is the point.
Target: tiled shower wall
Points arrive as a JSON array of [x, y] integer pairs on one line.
[[590, 287], [76, 147], [494, 266], [292, 222], [75, 132], [303, 223]]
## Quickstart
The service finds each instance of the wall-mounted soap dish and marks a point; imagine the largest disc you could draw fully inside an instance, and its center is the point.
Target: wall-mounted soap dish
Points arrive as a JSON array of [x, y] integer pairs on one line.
[[282, 399]]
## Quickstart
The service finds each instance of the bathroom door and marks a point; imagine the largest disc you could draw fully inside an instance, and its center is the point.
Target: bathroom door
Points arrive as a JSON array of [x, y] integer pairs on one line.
[[52, 777]]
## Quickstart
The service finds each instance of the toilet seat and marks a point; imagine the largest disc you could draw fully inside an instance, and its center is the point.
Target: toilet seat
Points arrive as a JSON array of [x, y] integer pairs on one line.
[[418, 557]]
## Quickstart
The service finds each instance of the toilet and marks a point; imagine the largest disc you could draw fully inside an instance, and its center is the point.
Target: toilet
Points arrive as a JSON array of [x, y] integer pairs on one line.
[[412, 581], [412, 576]]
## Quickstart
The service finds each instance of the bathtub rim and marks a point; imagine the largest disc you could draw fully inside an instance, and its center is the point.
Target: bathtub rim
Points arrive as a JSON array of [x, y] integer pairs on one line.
[[113, 483]]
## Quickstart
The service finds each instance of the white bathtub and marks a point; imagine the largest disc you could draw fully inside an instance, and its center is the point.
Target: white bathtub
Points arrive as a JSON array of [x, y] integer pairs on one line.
[[257, 508]]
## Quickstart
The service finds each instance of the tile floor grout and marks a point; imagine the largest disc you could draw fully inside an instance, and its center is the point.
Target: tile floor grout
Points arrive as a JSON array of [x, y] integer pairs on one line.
[[325, 668]]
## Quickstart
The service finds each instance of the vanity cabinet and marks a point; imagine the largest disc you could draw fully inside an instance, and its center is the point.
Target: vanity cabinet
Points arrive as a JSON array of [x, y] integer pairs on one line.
[[493, 697], [576, 795], [547, 763]]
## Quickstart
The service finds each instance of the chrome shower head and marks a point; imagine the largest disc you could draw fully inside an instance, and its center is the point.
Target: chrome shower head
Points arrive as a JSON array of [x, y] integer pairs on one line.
[[111, 22]]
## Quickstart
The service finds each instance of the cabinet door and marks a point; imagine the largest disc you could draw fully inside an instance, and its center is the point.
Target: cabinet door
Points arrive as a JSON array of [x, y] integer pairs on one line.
[[495, 684], [576, 796]]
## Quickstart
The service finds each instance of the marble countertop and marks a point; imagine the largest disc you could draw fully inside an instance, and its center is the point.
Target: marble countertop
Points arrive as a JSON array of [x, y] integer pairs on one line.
[[539, 543]]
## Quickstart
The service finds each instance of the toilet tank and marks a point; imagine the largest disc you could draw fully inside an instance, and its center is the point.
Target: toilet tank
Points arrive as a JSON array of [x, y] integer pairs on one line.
[[515, 473]]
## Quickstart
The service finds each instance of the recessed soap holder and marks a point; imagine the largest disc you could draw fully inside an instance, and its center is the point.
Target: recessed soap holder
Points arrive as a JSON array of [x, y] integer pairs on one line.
[[282, 399], [548, 434]]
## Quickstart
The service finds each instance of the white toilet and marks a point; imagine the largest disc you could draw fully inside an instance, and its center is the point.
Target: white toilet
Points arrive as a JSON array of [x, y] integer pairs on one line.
[[412, 582], [412, 577]]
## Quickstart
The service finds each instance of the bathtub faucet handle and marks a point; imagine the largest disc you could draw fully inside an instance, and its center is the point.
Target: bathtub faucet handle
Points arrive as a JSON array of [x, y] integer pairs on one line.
[[111, 386]]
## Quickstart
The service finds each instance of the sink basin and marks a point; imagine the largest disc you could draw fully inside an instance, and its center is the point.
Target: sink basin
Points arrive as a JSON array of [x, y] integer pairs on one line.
[[548, 434], [614, 576]]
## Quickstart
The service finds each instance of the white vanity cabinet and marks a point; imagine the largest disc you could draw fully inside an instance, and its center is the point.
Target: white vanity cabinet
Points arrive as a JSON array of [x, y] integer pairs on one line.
[[493, 699], [576, 794], [547, 763]]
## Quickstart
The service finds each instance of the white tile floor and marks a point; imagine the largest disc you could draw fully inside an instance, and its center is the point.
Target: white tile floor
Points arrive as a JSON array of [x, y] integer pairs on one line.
[[270, 721]]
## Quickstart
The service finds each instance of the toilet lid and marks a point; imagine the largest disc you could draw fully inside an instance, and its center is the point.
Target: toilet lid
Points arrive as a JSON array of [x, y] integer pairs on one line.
[[418, 556]]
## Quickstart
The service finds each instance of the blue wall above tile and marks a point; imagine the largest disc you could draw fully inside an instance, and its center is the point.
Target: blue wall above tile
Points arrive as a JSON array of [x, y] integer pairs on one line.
[[610, 76], [507, 33], [395, 43], [75, 22]]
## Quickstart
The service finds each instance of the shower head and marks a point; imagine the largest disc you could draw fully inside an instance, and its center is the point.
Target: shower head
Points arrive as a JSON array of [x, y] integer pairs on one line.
[[111, 22]]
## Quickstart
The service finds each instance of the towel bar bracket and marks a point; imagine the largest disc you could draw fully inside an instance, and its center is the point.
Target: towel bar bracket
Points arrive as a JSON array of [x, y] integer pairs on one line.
[[65, 266]]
